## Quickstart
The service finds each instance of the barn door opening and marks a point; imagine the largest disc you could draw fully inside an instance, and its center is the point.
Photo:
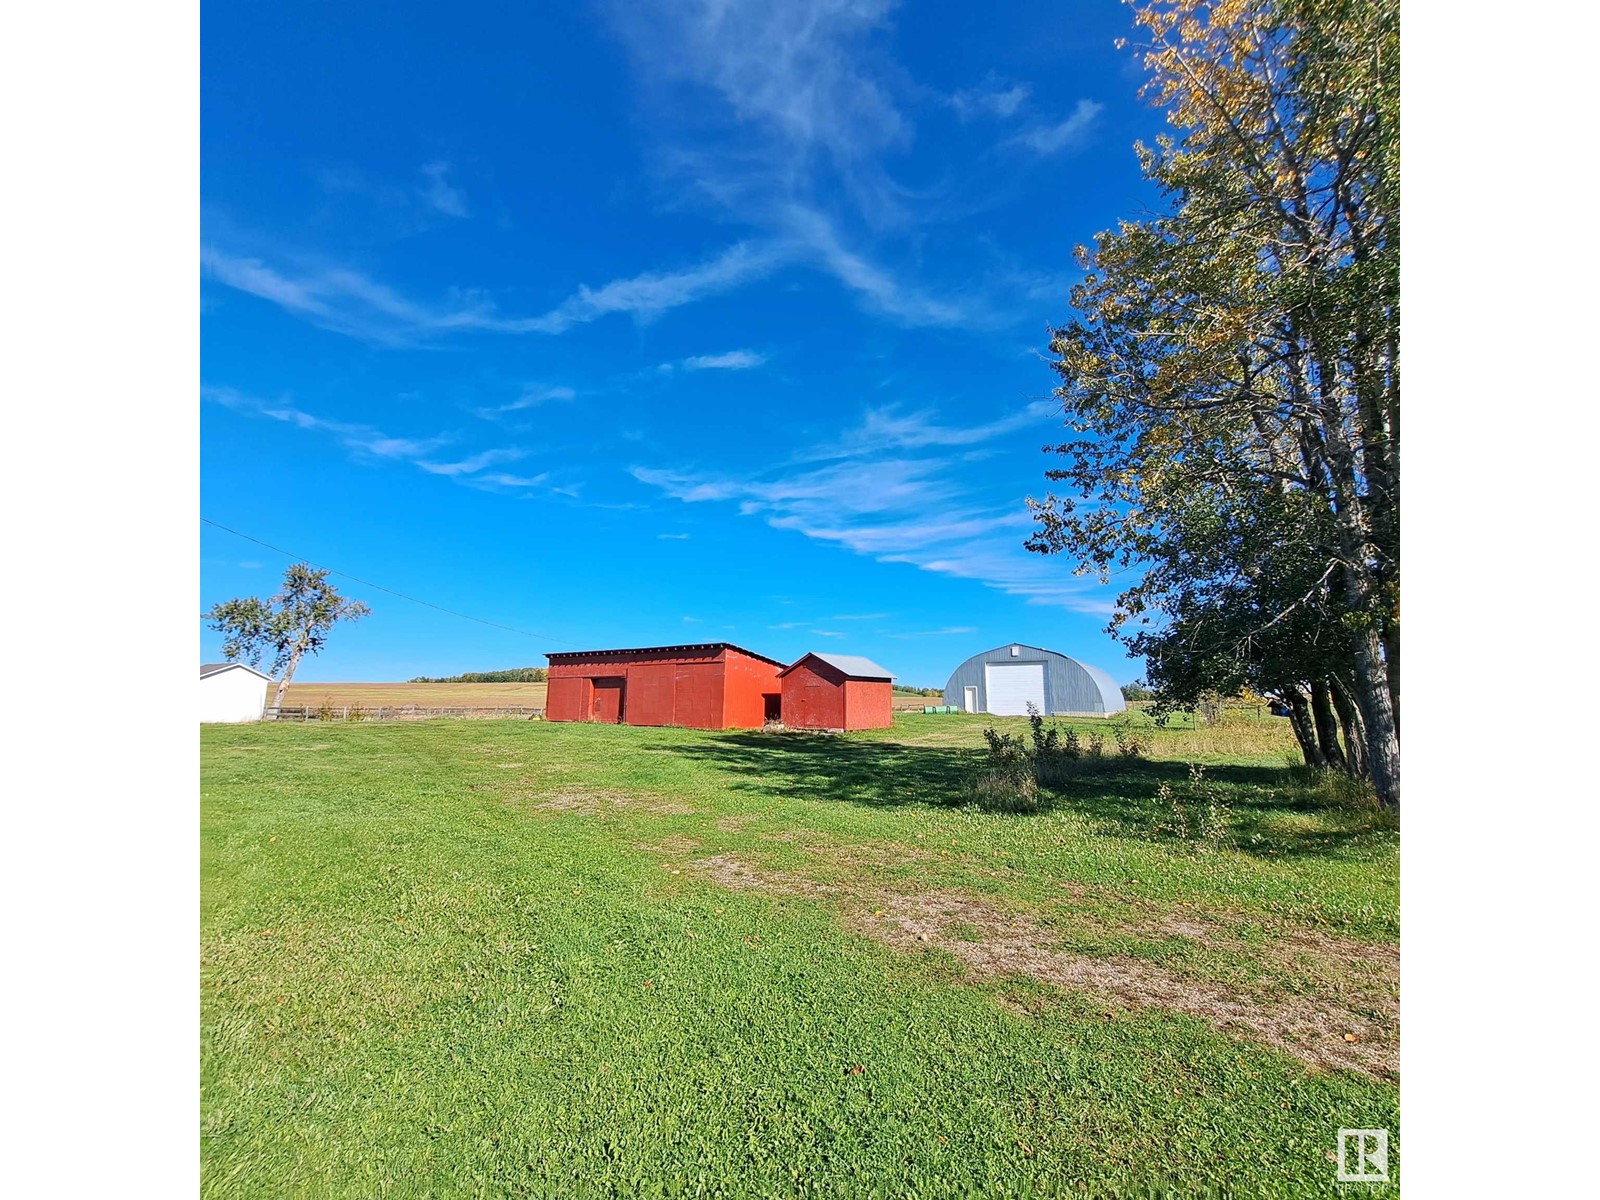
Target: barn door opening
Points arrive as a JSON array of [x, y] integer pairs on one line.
[[608, 700], [969, 699], [771, 707]]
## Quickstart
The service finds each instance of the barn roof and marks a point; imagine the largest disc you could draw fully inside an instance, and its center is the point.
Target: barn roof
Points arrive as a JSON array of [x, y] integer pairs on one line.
[[207, 669], [853, 665], [697, 647]]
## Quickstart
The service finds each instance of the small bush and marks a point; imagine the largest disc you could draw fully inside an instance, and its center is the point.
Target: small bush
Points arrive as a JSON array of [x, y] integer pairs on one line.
[[1003, 780], [1055, 751], [355, 713], [1129, 744], [1005, 791], [1329, 787], [325, 710], [1097, 745], [1198, 811]]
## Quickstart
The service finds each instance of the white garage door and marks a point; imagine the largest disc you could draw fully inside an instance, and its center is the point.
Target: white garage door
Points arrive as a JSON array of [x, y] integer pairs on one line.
[[1011, 686]]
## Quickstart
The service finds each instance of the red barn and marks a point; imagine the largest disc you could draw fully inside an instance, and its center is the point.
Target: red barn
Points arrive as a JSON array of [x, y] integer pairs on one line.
[[837, 691], [709, 686]]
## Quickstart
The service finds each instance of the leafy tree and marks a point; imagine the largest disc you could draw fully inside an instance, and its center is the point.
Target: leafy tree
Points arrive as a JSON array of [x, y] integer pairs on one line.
[[1233, 375], [1136, 691], [293, 623]]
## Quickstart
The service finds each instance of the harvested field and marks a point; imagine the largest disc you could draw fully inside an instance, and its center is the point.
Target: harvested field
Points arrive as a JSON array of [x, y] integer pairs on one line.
[[423, 695]]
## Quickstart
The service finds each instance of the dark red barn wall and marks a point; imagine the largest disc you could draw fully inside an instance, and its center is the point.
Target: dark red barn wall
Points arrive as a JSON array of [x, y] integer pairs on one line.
[[747, 682], [697, 695], [868, 704], [702, 687], [814, 696], [570, 697]]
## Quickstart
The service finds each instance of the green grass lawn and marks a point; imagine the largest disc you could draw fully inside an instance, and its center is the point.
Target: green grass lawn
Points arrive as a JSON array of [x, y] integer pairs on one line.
[[514, 958]]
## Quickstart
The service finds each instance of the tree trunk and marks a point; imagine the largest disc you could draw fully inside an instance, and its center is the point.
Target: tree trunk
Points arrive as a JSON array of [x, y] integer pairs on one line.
[[1305, 730], [1327, 725], [1391, 662], [1377, 714], [1355, 733], [288, 674]]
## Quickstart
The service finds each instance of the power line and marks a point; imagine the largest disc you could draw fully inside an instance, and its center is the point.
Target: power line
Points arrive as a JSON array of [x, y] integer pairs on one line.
[[368, 583]]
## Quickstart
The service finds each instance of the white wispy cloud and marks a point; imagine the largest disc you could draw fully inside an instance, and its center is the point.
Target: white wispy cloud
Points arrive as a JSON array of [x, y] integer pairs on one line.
[[859, 617], [475, 463], [440, 195], [1050, 139], [502, 480], [672, 537], [927, 633], [733, 360], [531, 396], [777, 106], [652, 293], [368, 443], [874, 499], [888, 428], [993, 99], [347, 301]]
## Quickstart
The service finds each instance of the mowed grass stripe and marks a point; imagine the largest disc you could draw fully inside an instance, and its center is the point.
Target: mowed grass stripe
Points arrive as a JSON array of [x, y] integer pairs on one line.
[[422, 978]]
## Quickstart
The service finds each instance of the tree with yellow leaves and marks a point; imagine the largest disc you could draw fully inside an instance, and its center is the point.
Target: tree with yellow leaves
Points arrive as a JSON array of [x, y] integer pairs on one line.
[[1232, 378]]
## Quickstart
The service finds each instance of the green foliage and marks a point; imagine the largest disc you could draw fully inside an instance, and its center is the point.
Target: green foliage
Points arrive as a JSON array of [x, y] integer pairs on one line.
[[1199, 809], [511, 675], [1129, 743], [1055, 751], [1231, 379], [293, 623], [1004, 779], [1136, 691]]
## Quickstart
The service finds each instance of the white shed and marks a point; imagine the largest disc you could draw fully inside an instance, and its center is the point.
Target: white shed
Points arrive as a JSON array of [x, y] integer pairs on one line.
[[231, 692]]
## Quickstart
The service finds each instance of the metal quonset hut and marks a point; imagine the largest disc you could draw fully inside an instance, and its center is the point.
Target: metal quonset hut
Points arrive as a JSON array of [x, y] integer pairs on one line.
[[1003, 681], [837, 691], [712, 685]]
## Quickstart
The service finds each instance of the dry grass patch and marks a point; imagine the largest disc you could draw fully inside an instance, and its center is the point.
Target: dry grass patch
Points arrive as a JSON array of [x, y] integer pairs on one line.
[[1348, 1016], [593, 801]]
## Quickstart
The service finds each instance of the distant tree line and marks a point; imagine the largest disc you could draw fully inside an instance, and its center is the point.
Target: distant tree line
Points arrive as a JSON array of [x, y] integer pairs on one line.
[[513, 675], [915, 691]]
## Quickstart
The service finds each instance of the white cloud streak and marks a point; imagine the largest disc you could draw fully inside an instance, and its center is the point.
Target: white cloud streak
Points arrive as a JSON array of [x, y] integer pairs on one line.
[[366, 443], [733, 360], [1045, 140], [348, 302], [440, 195], [991, 100], [897, 508]]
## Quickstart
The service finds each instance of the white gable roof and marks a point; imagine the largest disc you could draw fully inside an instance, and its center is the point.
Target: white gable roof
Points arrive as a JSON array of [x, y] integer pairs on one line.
[[207, 670]]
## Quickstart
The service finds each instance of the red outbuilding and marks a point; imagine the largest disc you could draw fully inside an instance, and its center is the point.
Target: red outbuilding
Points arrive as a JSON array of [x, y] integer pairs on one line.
[[712, 685], [837, 691]]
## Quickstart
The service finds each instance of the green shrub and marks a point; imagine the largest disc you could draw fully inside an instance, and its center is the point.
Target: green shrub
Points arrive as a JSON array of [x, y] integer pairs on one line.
[[1055, 751], [1003, 779], [1006, 791], [1198, 811], [1129, 743]]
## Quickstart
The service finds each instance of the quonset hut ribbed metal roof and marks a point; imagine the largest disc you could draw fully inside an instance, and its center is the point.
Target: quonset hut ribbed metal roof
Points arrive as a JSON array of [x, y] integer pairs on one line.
[[1004, 680]]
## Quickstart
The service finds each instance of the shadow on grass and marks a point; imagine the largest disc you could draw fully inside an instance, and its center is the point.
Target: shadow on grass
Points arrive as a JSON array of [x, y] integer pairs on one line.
[[1271, 813]]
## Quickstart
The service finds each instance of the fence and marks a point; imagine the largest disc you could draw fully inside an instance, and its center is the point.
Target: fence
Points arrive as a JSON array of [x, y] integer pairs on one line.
[[392, 712]]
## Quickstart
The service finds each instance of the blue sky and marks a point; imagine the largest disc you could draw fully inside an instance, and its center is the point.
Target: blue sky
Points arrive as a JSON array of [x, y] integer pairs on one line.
[[653, 323]]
